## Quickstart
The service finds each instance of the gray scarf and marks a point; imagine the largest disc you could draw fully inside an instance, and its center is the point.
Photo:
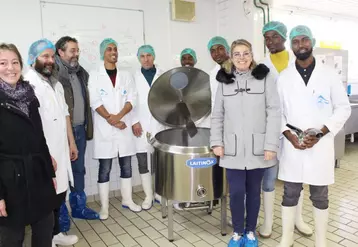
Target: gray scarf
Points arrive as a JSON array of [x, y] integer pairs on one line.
[[65, 68], [21, 95]]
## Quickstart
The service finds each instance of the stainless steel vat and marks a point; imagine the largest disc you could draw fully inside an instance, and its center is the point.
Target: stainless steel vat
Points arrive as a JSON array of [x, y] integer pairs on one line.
[[185, 169]]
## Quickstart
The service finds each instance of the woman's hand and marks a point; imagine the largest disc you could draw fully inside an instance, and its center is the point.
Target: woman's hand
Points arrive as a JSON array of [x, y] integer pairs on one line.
[[3, 212], [219, 151], [54, 164], [54, 183], [269, 155]]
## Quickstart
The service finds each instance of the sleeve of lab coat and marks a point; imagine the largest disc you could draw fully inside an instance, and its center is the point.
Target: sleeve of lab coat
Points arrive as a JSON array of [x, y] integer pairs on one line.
[[132, 98], [217, 119], [283, 126], [63, 100], [95, 97], [273, 115], [341, 106]]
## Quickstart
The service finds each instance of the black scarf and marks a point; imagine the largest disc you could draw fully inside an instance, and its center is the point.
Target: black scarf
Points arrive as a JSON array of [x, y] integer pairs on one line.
[[21, 95]]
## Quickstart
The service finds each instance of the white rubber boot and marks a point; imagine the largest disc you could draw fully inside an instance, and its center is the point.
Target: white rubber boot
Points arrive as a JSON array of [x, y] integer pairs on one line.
[[148, 191], [103, 189], [288, 226], [64, 240], [321, 222], [266, 228], [300, 225], [126, 191], [158, 198]]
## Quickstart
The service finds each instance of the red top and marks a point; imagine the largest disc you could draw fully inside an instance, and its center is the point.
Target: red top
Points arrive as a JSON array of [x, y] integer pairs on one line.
[[112, 75]]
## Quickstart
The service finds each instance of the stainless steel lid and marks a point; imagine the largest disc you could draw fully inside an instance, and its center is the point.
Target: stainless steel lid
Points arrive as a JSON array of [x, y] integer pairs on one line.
[[178, 85]]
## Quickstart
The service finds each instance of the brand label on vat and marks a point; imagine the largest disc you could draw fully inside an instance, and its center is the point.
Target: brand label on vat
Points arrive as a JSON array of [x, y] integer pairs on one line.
[[201, 162]]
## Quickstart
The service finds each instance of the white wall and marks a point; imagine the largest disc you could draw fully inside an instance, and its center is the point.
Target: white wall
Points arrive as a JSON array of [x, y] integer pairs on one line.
[[168, 37]]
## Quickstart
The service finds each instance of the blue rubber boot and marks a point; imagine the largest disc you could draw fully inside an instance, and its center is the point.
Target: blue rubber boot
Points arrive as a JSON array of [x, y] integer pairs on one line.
[[79, 208], [236, 241], [64, 218], [251, 240]]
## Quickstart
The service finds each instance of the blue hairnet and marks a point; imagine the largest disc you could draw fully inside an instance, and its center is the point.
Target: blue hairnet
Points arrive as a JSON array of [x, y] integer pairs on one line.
[[218, 40], [104, 44], [190, 52], [37, 48], [302, 30], [145, 49], [277, 26]]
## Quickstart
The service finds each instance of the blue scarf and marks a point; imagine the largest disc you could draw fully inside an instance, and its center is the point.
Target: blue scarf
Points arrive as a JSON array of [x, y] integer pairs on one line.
[[149, 74]]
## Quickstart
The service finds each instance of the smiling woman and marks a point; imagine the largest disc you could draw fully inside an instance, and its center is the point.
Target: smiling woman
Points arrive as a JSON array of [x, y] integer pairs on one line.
[[27, 176], [245, 129]]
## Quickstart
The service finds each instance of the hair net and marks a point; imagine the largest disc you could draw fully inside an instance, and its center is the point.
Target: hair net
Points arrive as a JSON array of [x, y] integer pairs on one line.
[[277, 26], [104, 44], [145, 49], [218, 40], [190, 52], [302, 30], [37, 48]]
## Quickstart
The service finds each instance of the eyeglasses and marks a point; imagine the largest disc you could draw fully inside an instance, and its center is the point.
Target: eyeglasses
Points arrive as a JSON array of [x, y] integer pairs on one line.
[[238, 55]]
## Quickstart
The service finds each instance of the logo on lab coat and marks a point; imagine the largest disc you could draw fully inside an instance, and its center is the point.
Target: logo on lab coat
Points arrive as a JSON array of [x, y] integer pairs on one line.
[[322, 100], [124, 92], [201, 162], [103, 92]]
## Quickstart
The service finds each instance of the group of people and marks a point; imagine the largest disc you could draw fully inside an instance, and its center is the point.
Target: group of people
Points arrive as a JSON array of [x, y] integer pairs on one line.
[[47, 116], [277, 118]]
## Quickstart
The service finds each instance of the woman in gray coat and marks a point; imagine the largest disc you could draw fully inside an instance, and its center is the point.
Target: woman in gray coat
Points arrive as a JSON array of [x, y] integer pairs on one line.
[[245, 129]]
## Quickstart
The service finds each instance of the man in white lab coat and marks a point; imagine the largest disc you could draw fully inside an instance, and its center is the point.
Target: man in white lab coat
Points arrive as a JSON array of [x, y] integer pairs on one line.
[[313, 99], [56, 123], [275, 35], [219, 50], [144, 79], [112, 97]]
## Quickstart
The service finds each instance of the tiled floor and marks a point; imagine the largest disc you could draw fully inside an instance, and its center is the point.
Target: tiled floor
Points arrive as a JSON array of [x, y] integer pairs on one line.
[[199, 229]]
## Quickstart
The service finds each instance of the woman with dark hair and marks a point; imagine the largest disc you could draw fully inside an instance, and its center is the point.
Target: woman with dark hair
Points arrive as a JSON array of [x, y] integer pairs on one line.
[[245, 129], [27, 176]]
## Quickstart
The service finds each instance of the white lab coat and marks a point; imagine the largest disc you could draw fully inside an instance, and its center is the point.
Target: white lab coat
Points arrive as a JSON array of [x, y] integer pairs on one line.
[[53, 111], [108, 141], [322, 102], [267, 61], [142, 112], [206, 122]]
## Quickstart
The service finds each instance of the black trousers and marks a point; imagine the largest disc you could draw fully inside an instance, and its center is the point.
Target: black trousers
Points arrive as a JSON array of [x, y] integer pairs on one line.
[[56, 213], [41, 234]]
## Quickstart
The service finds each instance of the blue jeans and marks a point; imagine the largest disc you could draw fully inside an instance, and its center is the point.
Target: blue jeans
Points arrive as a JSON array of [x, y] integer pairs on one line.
[[105, 167], [244, 183], [78, 166], [270, 176]]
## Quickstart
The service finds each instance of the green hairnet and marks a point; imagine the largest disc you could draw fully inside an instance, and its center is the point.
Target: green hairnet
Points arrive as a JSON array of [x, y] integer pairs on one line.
[[104, 44], [277, 26], [302, 30], [190, 52], [218, 40], [145, 49]]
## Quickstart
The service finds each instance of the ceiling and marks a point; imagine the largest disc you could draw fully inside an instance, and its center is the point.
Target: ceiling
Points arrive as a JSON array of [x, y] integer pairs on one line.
[[347, 8]]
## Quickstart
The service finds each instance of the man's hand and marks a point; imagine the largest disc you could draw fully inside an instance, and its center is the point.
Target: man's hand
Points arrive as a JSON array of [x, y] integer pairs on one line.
[[219, 151], [113, 119], [73, 152], [269, 155], [294, 140], [310, 141], [3, 212], [54, 164], [137, 129], [121, 125]]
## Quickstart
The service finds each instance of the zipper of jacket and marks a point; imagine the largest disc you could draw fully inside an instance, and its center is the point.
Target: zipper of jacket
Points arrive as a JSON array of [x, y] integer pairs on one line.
[[16, 110]]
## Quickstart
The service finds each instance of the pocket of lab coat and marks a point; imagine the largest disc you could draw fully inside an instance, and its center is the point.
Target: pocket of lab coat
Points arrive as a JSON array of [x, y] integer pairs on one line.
[[258, 142], [230, 144]]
